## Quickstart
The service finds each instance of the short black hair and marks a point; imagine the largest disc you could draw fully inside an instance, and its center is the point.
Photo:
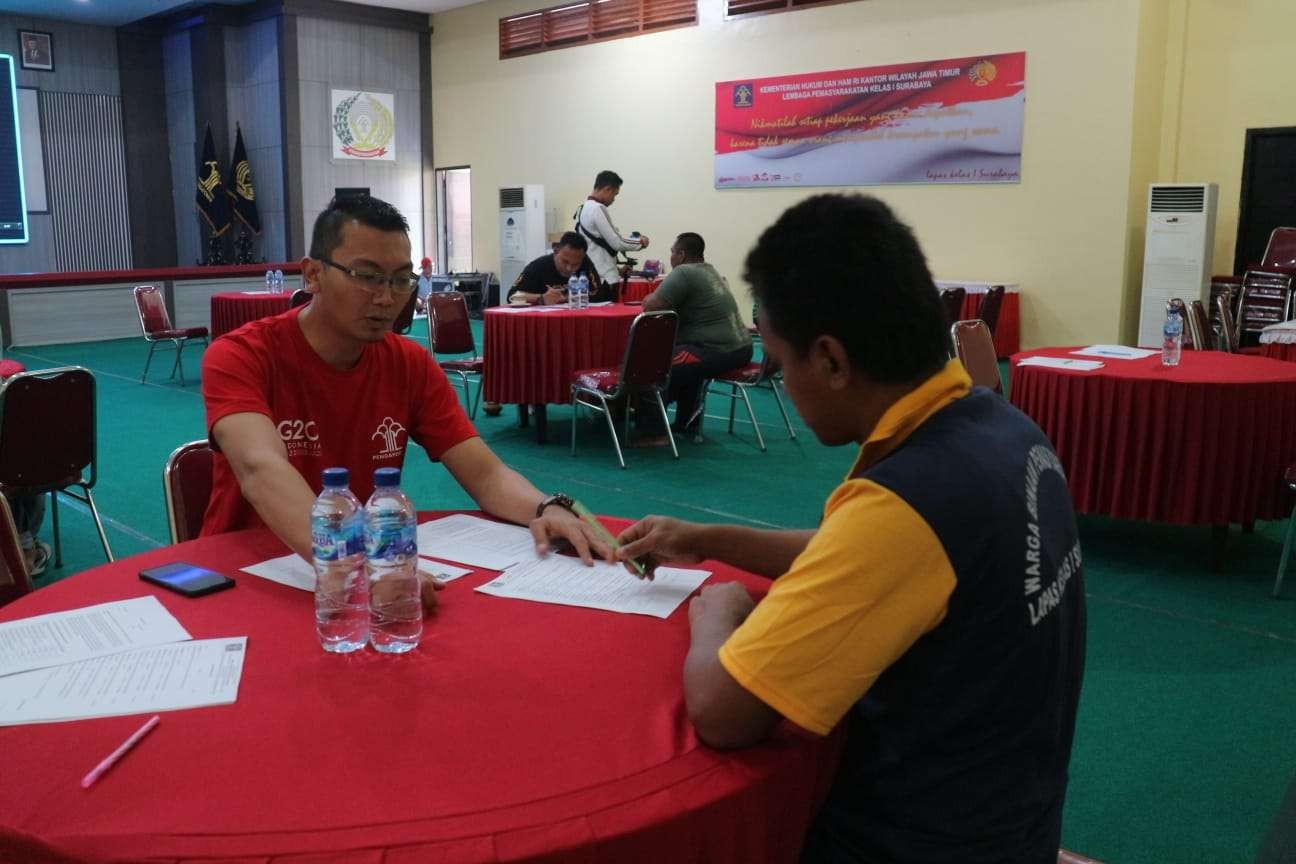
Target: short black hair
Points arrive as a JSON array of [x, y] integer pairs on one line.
[[572, 239], [365, 209], [691, 244], [607, 178], [846, 267]]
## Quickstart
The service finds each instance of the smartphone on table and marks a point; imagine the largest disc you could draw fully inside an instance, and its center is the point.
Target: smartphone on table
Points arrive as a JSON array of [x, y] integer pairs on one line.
[[187, 579]]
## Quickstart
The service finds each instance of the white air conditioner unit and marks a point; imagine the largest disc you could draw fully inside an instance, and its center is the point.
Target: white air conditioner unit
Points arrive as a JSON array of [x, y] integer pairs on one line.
[[522, 230], [1177, 251]]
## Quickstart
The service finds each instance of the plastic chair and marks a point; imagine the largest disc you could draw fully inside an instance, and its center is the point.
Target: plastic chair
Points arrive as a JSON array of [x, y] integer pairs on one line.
[[975, 350], [988, 311], [300, 297], [1228, 340], [741, 380], [156, 324], [186, 486], [952, 298], [48, 442], [1198, 324], [15, 581], [449, 332], [645, 368]]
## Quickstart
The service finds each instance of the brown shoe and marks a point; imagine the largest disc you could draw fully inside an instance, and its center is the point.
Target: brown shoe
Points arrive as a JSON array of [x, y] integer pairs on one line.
[[650, 441], [492, 409]]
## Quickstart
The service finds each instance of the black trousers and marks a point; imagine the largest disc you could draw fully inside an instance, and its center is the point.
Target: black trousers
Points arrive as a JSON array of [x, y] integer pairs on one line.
[[691, 365]]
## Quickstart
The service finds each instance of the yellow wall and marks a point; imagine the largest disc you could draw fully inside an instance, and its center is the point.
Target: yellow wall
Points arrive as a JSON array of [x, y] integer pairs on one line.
[[644, 107]]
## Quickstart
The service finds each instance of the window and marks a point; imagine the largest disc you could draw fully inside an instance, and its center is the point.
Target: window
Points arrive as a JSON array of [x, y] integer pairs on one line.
[[734, 8], [594, 21]]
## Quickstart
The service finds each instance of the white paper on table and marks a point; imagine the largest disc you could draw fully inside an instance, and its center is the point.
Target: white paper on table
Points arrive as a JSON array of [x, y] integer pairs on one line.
[[253, 293], [599, 303], [1062, 363], [158, 678], [80, 634], [1119, 352], [296, 572], [566, 581], [480, 542], [512, 308]]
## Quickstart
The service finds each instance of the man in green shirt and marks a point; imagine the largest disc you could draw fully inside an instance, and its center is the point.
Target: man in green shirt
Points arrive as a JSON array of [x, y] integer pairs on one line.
[[712, 337]]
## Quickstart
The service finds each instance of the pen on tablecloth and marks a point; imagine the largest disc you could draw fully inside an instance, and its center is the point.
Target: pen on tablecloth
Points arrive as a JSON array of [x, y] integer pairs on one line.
[[111, 760], [589, 519]]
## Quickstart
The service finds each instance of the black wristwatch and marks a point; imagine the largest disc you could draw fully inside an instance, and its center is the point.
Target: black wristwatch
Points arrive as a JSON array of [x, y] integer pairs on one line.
[[559, 499]]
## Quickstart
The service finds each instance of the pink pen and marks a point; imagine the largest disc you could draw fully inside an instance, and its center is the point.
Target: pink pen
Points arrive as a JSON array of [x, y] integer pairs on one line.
[[111, 760]]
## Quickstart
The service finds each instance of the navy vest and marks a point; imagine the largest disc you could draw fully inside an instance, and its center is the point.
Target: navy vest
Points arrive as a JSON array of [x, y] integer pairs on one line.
[[959, 751]]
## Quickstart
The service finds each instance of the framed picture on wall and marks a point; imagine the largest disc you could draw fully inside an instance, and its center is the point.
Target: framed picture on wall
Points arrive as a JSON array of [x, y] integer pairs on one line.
[[36, 50]]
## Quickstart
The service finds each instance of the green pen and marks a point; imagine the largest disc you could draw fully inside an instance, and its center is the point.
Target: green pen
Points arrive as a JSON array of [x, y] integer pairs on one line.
[[589, 519]]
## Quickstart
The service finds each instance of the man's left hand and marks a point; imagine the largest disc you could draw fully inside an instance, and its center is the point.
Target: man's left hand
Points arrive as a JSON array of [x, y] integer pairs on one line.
[[557, 523]]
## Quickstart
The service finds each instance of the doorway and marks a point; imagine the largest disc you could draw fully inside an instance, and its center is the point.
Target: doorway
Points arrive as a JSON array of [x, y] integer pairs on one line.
[[454, 220], [1268, 192]]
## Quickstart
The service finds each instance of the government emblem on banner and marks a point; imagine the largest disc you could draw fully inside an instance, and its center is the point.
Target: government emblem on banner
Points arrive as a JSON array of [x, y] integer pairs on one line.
[[364, 125], [982, 73], [742, 95]]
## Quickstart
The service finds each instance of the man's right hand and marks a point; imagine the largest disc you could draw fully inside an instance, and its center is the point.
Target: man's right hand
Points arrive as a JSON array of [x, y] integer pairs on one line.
[[657, 539], [643, 241], [553, 297]]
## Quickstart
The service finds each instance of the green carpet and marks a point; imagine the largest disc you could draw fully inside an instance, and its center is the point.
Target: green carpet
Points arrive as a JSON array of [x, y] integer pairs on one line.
[[1183, 748]]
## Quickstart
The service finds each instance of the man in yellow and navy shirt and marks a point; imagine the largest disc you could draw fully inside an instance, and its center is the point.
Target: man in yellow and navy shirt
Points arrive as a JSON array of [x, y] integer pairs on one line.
[[938, 609]]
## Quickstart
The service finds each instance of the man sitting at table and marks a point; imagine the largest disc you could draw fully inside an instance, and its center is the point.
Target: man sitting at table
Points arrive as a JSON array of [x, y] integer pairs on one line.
[[711, 339], [329, 384], [939, 606], [543, 282]]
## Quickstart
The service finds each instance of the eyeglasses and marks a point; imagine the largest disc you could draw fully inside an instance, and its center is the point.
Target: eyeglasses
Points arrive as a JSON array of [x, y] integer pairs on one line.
[[374, 283]]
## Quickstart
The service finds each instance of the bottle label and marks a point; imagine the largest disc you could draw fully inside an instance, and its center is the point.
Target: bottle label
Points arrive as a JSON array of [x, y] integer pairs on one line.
[[391, 540], [330, 545]]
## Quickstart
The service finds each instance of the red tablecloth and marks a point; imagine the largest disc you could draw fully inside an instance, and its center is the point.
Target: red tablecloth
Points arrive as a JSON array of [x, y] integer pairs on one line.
[[637, 288], [1007, 337], [530, 356], [516, 731], [230, 310], [1279, 351], [1205, 442]]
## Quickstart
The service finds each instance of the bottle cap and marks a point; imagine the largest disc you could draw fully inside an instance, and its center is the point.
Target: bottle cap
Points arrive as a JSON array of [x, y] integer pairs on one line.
[[387, 477], [336, 478]]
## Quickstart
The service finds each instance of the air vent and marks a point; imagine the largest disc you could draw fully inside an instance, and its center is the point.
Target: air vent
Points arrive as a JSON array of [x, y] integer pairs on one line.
[[513, 197], [1178, 199]]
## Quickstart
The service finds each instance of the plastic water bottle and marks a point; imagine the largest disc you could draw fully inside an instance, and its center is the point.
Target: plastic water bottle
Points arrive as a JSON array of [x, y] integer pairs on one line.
[[278, 277], [1172, 339], [573, 288], [270, 282], [391, 559], [337, 547], [583, 291]]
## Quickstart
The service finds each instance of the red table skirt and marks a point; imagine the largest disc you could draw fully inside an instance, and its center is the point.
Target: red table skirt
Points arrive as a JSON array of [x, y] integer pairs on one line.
[[1202, 443], [637, 288], [1280, 351], [230, 310], [531, 356], [1007, 337], [515, 731]]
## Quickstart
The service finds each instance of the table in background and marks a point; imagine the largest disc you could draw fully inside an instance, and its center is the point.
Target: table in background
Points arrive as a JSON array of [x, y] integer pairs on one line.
[[531, 356], [1278, 341], [516, 731], [636, 288], [230, 310], [1202, 443], [1007, 336]]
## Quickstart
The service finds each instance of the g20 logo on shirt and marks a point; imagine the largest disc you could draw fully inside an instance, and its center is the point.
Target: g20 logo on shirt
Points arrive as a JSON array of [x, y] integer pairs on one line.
[[298, 430]]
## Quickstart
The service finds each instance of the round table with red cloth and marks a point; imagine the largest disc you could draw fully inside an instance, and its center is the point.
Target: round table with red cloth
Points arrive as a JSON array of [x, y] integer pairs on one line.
[[1202, 443], [532, 354], [636, 288], [230, 310], [516, 731], [1279, 351]]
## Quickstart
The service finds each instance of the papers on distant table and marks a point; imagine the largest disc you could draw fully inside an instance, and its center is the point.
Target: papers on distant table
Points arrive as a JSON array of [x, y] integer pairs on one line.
[[480, 542], [564, 580], [254, 293], [295, 572], [1062, 363], [82, 634], [1116, 352], [516, 308], [158, 678]]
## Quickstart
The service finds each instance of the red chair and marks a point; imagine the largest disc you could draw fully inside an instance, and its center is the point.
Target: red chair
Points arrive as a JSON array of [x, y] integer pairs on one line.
[[988, 311], [450, 332], [186, 486], [1267, 290], [1198, 325], [48, 441], [753, 375], [1281, 250], [645, 369], [15, 581], [975, 350], [156, 324], [952, 298]]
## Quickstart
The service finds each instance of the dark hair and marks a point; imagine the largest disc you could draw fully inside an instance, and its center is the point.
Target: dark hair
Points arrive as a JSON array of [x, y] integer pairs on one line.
[[364, 209], [845, 266], [691, 244], [572, 239], [607, 178]]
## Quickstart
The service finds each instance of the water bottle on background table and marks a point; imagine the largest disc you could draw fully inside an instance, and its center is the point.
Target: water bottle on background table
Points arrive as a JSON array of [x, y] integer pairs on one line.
[[583, 291], [279, 283], [573, 285], [391, 559], [1172, 337], [269, 282], [337, 549]]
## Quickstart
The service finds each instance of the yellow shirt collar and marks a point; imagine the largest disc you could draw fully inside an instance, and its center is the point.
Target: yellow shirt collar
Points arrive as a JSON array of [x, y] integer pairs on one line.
[[911, 411]]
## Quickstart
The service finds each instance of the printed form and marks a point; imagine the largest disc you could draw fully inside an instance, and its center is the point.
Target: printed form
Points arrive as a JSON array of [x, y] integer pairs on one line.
[[566, 581], [480, 542], [295, 572]]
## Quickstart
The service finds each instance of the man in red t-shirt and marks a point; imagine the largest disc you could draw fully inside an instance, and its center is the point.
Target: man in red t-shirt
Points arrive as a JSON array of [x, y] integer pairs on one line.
[[330, 384]]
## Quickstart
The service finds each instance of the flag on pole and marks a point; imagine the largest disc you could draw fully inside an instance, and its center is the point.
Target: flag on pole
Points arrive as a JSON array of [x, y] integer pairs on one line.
[[240, 188], [211, 200]]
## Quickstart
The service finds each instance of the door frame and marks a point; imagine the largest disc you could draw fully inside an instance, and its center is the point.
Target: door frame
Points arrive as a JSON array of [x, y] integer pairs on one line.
[[443, 235], [1253, 138]]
